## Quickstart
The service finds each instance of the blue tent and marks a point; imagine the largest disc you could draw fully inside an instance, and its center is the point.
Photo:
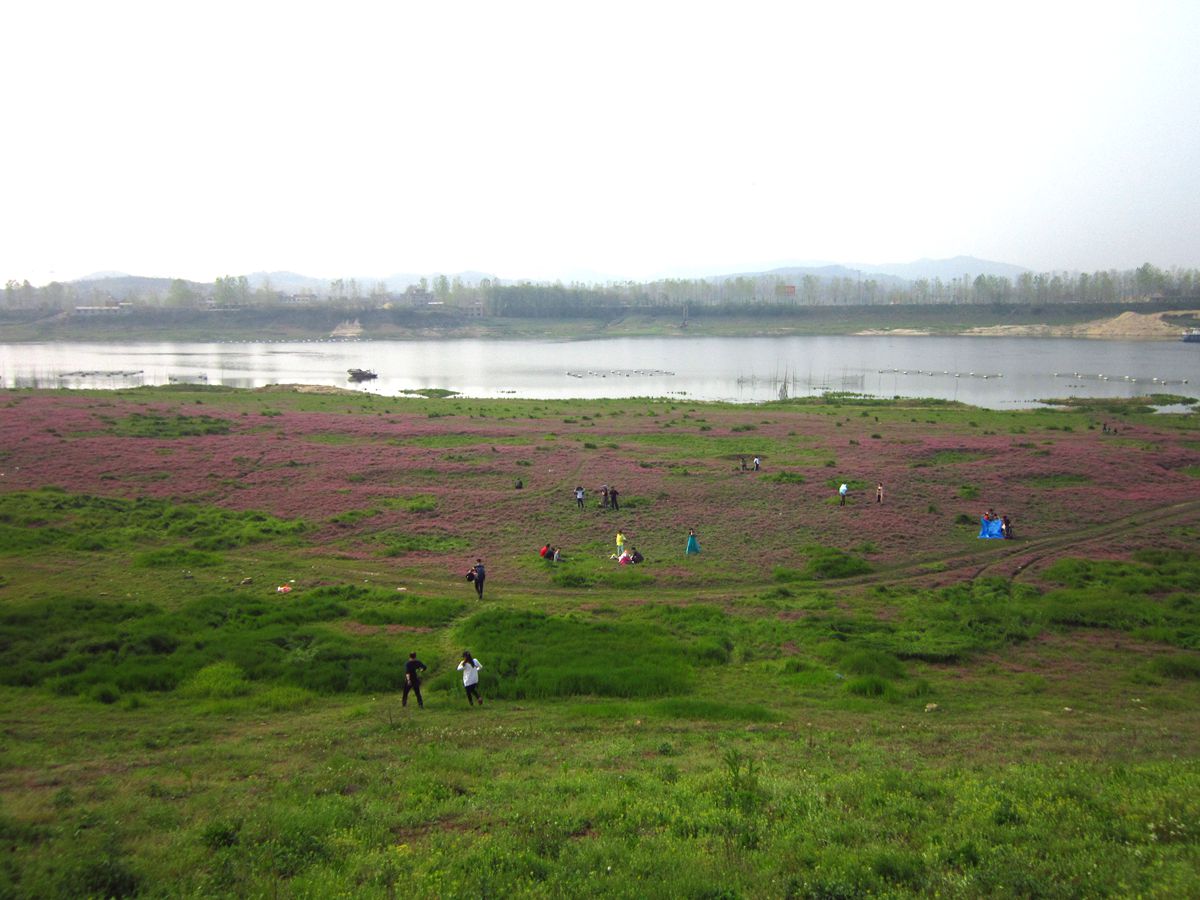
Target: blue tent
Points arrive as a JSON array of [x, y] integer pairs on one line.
[[990, 528]]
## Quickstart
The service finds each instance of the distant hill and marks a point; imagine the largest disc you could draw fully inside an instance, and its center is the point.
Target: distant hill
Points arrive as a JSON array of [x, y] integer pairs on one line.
[[828, 272], [122, 286], [288, 282], [127, 287], [893, 274], [946, 269], [834, 271]]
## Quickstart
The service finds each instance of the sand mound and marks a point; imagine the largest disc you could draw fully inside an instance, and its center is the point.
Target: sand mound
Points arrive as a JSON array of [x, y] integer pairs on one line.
[[1128, 325]]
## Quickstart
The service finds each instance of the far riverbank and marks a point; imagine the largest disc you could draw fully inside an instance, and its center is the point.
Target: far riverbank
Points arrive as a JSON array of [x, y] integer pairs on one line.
[[1140, 321]]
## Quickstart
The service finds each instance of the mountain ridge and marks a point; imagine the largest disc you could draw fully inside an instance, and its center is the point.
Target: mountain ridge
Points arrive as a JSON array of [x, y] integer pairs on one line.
[[121, 285]]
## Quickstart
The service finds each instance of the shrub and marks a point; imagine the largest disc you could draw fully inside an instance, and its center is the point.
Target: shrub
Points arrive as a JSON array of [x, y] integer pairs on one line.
[[831, 563], [872, 662], [218, 681], [105, 693], [870, 686]]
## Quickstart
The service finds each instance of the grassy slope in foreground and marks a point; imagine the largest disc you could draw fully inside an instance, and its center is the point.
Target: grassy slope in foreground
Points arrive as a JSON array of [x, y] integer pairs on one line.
[[829, 701]]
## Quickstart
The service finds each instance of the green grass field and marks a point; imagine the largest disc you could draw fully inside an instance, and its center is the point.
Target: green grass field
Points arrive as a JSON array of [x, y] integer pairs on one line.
[[827, 702]]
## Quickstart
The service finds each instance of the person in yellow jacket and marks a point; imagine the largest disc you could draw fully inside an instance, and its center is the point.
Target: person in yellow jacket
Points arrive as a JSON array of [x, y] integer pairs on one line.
[[620, 542]]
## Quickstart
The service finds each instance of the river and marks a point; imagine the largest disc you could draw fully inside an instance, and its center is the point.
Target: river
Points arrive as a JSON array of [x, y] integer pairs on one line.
[[998, 373]]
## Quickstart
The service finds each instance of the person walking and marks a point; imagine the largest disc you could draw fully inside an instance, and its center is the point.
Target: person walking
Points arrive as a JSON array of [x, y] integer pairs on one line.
[[693, 542], [612, 498], [579, 496], [470, 667], [412, 679], [620, 542], [478, 574], [757, 463], [842, 494], [879, 492]]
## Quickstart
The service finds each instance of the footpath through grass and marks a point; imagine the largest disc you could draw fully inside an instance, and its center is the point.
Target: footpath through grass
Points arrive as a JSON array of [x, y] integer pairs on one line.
[[200, 674]]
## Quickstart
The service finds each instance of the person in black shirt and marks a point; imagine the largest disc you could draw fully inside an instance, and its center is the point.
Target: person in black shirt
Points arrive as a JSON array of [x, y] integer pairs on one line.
[[612, 498], [479, 574], [412, 679]]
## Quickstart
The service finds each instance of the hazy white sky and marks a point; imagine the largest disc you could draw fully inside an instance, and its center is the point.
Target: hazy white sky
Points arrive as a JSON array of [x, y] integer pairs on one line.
[[617, 139]]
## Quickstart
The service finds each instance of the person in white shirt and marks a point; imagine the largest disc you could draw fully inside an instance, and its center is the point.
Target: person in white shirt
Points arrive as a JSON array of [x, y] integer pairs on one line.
[[470, 667]]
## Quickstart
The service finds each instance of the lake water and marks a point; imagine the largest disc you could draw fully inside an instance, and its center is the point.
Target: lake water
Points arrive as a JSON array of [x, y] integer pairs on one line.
[[998, 373]]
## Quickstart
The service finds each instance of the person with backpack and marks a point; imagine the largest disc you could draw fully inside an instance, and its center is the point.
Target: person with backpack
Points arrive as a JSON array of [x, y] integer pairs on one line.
[[477, 574]]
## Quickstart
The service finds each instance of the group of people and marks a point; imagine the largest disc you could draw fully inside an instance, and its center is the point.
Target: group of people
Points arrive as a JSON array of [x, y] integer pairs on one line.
[[468, 665], [626, 556], [609, 497], [992, 523], [550, 552], [844, 489], [755, 466]]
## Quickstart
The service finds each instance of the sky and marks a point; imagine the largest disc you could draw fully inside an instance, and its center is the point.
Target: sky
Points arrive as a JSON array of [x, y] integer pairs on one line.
[[594, 141]]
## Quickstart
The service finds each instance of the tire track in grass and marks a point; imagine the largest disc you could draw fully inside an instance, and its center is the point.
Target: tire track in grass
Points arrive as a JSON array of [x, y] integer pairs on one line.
[[1019, 558]]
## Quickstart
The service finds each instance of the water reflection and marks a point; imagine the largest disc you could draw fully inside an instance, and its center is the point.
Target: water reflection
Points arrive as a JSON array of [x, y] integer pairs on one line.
[[991, 372]]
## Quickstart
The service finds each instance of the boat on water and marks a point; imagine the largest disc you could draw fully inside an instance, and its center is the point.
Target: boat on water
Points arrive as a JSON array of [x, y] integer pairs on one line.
[[361, 374], [1192, 337]]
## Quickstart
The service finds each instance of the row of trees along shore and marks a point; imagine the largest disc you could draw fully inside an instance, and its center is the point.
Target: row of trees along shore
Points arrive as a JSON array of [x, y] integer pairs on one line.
[[730, 296]]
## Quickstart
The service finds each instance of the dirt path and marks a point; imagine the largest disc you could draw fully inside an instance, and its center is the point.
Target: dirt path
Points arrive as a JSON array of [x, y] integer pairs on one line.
[[1017, 557], [1021, 558]]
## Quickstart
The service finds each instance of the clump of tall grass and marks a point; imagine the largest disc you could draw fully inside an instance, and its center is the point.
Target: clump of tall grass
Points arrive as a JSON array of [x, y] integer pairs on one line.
[[528, 654]]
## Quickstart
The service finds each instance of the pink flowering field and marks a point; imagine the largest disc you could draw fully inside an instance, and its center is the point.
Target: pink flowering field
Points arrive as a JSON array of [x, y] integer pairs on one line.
[[427, 485]]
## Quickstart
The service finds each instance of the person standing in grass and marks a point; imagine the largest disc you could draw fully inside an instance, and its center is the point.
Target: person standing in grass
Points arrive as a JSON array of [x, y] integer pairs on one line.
[[579, 496], [693, 542], [879, 492], [757, 464], [477, 574], [842, 494], [470, 667], [412, 679], [620, 542], [612, 498]]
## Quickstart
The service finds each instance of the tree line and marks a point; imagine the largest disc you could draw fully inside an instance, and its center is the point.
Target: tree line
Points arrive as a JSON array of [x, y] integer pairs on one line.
[[741, 294]]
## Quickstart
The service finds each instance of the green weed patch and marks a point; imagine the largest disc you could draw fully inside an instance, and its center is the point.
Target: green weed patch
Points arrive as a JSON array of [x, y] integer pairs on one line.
[[74, 645], [528, 654], [157, 425], [45, 518]]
